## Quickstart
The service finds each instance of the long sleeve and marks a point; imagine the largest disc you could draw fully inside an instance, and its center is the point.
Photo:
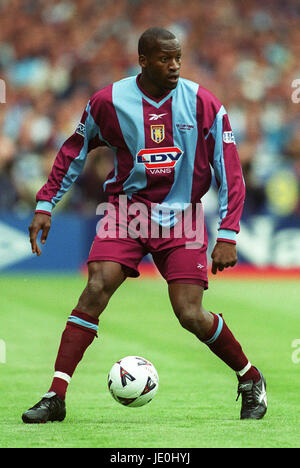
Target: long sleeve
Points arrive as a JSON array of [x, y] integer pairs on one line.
[[228, 174], [69, 161]]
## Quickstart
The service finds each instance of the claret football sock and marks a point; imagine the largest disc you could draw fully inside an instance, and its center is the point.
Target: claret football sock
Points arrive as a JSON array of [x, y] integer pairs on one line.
[[224, 345], [248, 373], [79, 333]]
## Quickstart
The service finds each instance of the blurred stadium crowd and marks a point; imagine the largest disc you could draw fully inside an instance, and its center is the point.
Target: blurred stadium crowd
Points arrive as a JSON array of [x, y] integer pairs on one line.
[[54, 54]]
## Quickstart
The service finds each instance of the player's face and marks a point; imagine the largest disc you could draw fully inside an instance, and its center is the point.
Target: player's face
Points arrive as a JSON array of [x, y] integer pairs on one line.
[[161, 67]]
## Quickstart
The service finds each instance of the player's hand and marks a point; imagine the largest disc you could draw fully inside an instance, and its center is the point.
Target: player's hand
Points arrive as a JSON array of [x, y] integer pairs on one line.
[[224, 255], [40, 222]]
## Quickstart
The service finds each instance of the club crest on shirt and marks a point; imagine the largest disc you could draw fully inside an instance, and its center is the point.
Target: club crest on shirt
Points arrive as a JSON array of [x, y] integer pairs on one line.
[[157, 133]]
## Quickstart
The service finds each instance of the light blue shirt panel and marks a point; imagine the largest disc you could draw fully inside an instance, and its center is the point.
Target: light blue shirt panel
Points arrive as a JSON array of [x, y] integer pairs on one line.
[[219, 166], [184, 112], [129, 108]]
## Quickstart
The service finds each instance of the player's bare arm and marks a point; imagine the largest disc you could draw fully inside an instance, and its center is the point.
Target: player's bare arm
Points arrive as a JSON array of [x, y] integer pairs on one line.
[[224, 255], [40, 222]]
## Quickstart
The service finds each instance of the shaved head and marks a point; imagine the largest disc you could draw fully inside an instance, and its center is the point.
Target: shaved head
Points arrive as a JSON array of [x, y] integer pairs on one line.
[[149, 38], [160, 61]]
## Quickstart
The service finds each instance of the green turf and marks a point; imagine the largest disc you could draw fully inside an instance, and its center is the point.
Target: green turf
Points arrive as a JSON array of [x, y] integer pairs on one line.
[[195, 405]]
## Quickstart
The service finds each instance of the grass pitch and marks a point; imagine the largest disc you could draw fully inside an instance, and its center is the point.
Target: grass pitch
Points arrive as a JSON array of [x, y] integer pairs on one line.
[[195, 405]]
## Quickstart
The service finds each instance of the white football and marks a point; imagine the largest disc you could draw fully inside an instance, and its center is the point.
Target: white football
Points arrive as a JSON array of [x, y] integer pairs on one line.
[[133, 381]]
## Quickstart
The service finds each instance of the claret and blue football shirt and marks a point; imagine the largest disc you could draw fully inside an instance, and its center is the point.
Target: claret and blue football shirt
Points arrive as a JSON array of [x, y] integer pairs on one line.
[[163, 149]]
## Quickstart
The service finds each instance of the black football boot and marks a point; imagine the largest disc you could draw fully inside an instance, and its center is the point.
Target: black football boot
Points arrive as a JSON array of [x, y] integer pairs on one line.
[[49, 408], [254, 398]]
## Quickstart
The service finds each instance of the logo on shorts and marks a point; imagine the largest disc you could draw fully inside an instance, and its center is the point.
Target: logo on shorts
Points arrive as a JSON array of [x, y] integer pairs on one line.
[[158, 158], [157, 133]]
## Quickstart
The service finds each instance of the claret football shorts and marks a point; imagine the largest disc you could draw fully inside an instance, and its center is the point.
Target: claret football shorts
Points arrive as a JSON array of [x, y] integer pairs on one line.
[[117, 240]]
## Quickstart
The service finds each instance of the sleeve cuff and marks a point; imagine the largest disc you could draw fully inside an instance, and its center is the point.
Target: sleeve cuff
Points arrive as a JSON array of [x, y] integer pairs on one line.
[[226, 235], [44, 207]]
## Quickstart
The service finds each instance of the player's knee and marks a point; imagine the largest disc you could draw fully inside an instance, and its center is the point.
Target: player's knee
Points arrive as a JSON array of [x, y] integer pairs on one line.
[[95, 289], [190, 313], [98, 291], [190, 318], [101, 283]]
